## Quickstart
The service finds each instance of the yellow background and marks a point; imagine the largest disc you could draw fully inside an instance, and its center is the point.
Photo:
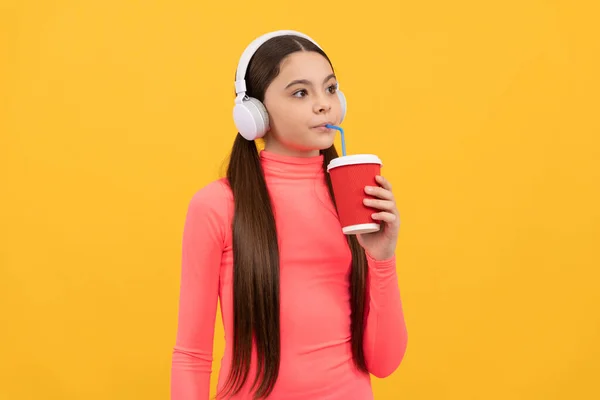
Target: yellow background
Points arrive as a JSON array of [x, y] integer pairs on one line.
[[113, 113]]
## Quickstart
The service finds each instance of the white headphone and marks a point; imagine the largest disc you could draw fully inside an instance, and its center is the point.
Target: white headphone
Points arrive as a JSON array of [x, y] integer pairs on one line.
[[249, 114]]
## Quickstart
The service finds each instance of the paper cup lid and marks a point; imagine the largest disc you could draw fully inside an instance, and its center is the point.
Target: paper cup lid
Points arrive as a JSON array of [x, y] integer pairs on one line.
[[354, 159]]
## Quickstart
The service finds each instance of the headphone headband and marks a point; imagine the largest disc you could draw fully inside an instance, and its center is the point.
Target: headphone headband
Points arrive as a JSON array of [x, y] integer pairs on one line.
[[240, 81]]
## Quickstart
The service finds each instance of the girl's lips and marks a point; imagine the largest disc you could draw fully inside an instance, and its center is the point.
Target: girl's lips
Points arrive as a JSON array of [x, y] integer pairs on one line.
[[323, 125], [322, 128]]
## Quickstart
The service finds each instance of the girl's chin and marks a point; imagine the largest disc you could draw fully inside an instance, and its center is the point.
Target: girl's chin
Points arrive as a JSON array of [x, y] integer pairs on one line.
[[322, 143]]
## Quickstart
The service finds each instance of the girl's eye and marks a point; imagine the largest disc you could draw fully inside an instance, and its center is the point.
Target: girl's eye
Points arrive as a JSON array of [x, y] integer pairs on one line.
[[332, 89], [300, 93]]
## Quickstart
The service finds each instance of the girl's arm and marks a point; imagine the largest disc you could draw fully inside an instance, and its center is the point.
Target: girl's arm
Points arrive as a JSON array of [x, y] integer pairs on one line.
[[385, 333], [202, 247]]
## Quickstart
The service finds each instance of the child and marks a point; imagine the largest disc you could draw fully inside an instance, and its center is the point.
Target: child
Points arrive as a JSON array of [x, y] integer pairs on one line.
[[308, 312]]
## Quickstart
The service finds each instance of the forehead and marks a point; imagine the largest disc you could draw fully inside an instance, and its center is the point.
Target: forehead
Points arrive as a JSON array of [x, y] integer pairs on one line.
[[304, 65]]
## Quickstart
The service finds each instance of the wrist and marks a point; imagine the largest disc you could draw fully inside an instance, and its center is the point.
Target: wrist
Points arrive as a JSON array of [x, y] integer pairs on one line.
[[381, 257]]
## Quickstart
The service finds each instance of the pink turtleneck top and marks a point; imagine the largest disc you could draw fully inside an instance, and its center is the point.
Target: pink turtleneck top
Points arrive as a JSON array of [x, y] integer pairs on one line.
[[315, 260]]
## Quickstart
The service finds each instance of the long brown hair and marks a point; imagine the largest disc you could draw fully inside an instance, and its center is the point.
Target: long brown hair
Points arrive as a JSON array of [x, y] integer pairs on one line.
[[255, 245]]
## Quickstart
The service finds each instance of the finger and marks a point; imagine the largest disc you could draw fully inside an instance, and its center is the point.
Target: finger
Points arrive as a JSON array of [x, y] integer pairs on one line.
[[385, 217], [386, 205], [383, 182], [380, 192]]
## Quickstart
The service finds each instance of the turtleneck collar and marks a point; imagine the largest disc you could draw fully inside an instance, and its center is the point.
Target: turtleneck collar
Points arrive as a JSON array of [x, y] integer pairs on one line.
[[290, 166]]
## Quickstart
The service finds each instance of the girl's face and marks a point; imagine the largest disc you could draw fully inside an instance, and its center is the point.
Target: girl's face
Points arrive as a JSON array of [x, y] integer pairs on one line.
[[300, 101]]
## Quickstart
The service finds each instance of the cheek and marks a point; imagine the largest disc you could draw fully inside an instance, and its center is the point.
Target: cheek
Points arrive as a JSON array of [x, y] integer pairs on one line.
[[288, 115], [336, 106]]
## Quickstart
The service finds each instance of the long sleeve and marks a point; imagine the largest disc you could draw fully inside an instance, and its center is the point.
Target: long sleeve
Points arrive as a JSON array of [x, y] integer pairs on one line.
[[202, 247], [386, 334]]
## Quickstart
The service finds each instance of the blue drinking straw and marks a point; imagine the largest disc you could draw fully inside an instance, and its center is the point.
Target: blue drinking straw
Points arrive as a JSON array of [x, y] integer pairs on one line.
[[342, 133]]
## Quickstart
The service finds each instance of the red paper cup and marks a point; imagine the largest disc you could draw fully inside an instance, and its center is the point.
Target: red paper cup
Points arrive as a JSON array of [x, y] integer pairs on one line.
[[349, 176]]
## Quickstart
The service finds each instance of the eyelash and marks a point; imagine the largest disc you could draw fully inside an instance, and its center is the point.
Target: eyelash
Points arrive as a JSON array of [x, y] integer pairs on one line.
[[334, 87]]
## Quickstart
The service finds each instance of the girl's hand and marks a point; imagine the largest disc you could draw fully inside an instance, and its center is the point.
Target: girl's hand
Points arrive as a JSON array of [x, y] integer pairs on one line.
[[381, 245]]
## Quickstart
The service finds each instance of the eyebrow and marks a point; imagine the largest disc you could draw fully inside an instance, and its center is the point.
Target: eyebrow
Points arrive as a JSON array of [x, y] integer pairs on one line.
[[307, 82]]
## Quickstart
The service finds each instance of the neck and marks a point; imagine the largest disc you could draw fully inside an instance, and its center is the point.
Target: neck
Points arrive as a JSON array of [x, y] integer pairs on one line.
[[280, 166], [274, 147]]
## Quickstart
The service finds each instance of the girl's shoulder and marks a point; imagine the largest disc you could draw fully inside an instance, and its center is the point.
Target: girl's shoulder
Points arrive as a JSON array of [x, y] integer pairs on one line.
[[216, 193], [218, 189], [214, 198]]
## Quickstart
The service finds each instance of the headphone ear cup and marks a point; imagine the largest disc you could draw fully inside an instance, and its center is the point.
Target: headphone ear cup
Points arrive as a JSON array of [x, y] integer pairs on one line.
[[251, 118], [342, 98]]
